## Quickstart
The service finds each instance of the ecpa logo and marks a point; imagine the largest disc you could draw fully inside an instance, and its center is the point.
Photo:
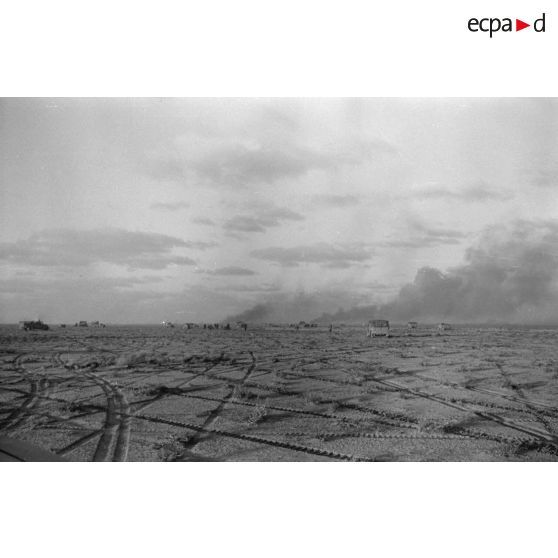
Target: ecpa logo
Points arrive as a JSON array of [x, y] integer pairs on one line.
[[494, 24]]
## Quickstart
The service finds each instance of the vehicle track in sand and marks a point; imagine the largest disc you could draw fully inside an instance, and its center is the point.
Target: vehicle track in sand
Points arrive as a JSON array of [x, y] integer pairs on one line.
[[209, 431], [291, 380], [397, 419], [115, 437], [484, 391], [522, 397], [534, 432], [295, 411], [195, 375], [213, 416], [39, 389]]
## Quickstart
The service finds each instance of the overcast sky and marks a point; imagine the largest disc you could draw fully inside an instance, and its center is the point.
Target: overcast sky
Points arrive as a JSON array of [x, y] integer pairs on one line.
[[143, 210]]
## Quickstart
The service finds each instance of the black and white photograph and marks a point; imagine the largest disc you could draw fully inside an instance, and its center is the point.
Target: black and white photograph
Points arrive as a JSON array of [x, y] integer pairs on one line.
[[304, 279], [278, 278]]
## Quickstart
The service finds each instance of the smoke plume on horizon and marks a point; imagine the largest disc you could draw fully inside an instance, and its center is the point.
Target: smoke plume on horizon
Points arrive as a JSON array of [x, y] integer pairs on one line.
[[509, 275]]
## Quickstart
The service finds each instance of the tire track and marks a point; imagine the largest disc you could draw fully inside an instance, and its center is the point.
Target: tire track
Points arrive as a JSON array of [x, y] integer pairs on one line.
[[179, 385], [287, 409], [397, 419], [534, 432], [508, 382], [22, 414], [39, 389], [115, 437], [211, 430], [484, 391], [307, 358], [488, 391], [78, 443], [383, 436], [344, 383], [215, 413]]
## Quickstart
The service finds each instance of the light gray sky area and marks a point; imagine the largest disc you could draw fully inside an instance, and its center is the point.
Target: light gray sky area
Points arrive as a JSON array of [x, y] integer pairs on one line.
[[143, 210]]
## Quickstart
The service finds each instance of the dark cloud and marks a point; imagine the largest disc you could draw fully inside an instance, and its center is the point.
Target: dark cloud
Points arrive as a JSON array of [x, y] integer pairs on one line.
[[66, 247], [342, 264], [200, 244], [251, 289], [337, 256], [265, 219], [377, 286], [158, 262], [203, 221], [170, 206], [421, 235], [239, 164], [334, 200], [236, 164], [243, 223], [244, 163], [231, 271], [479, 191], [544, 177]]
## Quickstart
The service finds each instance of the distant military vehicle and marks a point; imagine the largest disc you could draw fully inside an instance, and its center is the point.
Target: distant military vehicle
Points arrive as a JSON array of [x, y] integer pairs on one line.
[[33, 325], [377, 328]]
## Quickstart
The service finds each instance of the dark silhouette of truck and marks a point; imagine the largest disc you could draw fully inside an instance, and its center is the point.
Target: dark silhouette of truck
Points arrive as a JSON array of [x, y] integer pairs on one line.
[[33, 325]]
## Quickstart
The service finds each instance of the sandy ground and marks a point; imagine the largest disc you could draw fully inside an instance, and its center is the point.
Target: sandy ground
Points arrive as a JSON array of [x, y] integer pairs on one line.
[[276, 394]]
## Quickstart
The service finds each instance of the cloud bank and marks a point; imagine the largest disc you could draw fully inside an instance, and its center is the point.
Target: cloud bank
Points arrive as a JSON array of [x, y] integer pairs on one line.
[[231, 271], [328, 255], [272, 217], [261, 160]]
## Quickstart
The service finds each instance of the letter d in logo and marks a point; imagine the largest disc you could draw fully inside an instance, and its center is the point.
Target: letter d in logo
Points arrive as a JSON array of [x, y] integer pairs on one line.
[[539, 24]]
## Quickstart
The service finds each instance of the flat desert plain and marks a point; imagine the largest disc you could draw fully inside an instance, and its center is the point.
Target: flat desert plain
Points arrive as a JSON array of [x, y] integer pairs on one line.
[[149, 393]]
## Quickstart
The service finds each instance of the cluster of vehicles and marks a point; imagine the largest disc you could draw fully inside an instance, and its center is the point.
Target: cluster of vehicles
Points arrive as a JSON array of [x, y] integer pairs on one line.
[[378, 328], [83, 323], [374, 328], [303, 324], [190, 325], [38, 325]]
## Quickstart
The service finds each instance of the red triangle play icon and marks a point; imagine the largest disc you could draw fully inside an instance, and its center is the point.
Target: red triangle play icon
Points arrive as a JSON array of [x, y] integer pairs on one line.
[[519, 25]]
